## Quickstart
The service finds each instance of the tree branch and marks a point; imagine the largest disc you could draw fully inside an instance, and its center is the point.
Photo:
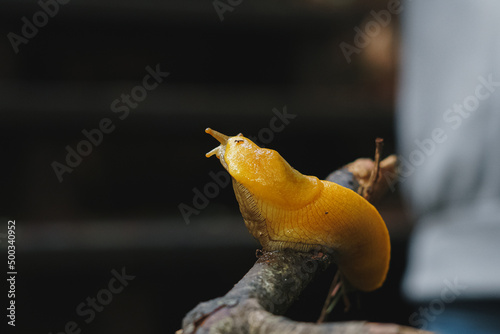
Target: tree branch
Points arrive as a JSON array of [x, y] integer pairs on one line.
[[257, 301]]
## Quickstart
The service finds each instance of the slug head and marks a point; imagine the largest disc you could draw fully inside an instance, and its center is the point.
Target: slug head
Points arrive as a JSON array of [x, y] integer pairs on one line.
[[262, 171]]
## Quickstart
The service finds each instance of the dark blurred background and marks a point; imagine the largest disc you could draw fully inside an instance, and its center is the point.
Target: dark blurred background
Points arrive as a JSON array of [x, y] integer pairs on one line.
[[119, 208]]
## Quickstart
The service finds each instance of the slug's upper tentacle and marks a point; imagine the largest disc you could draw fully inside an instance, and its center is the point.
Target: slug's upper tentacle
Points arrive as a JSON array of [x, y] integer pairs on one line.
[[217, 135]]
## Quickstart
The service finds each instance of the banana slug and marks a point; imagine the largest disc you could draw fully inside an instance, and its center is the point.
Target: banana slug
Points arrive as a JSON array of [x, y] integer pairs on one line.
[[284, 209]]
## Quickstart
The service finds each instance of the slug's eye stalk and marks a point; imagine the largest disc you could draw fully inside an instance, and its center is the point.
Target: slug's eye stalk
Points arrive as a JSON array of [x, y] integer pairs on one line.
[[217, 135], [219, 150]]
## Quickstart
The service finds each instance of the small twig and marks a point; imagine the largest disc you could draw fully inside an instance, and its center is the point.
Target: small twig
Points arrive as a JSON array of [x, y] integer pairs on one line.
[[367, 191], [334, 289]]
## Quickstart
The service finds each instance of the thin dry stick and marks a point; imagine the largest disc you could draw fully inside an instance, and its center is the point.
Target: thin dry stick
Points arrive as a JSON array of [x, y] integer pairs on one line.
[[368, 190], [334, 289]]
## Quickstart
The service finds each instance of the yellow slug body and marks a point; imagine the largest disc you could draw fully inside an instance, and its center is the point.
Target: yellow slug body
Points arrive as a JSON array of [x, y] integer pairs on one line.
[[284, 209]]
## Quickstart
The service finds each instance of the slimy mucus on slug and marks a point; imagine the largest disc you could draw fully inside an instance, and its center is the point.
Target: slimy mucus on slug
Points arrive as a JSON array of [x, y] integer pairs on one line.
[[284, 209]]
